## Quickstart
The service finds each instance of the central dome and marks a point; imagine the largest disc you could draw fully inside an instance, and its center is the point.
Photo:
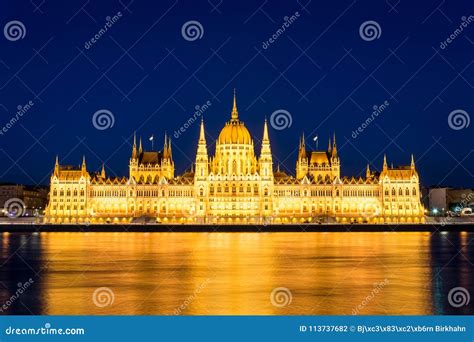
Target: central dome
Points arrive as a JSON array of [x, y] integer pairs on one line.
[[234, 131]]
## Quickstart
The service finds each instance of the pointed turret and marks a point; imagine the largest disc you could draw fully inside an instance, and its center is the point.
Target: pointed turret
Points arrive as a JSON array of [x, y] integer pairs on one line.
[[170, 152], [302, 148], [140, 147], [134, 148], [266, 160], [367, 172], [329, 145], [202, 160], [235, 113], [83, 166], [412, 164], [102, 173], [334, 147], [266, 151], [265, 132], [202, 135], [165, 147], [385, 166], [56, 167]]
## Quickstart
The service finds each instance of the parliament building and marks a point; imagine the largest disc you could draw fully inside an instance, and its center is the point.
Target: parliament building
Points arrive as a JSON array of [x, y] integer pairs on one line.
[[234, 186]]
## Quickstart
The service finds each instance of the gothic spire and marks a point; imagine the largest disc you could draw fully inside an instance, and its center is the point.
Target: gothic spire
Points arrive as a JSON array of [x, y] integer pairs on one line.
[[235, 113], [202, 147], [265, 132], [134, 148], [140, 147], [56, 166], [334, 146], [202, 135], [170, 153], [102, 173], [385, 166]]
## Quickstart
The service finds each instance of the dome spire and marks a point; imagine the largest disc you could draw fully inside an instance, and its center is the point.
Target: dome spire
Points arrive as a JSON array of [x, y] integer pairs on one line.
[[235, 113]]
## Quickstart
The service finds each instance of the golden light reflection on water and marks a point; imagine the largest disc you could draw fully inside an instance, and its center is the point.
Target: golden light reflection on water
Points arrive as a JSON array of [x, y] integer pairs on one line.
[[235, 273]]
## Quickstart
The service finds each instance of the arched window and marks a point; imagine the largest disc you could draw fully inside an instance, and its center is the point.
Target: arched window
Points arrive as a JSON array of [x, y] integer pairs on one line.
[[407, 192], [393, 192], [413, 192], [400, 192]]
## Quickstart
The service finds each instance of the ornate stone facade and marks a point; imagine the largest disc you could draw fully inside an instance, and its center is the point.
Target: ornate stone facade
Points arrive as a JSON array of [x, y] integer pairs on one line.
[[234, 187]]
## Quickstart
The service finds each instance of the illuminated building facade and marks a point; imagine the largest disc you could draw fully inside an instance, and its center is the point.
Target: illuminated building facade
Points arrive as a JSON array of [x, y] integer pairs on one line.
[[234, 186]]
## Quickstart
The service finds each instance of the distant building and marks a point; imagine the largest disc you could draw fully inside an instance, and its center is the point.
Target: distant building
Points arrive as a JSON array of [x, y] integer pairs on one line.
[[25, 200], [444, 199]]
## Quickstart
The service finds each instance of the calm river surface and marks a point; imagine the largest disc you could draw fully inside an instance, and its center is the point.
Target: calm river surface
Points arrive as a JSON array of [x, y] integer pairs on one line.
[[234, 273]]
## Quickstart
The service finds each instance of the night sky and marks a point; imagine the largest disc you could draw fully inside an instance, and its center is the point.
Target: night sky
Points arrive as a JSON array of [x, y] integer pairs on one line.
[[321, 70]]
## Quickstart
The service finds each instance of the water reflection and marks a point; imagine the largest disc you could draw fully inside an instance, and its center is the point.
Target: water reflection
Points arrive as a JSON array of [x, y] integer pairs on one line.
[[235, 273]]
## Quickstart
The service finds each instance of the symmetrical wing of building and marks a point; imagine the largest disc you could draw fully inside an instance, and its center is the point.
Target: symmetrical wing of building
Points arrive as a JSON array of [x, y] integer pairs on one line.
[[234, 186]]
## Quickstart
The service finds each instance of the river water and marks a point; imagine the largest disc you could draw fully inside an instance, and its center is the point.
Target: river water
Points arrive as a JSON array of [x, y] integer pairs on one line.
[[236, 273]]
